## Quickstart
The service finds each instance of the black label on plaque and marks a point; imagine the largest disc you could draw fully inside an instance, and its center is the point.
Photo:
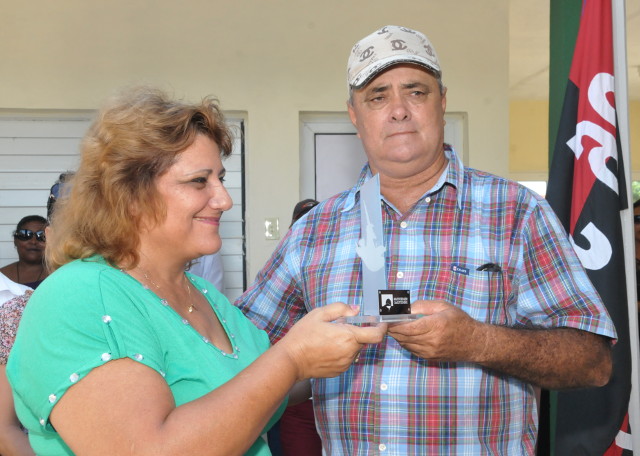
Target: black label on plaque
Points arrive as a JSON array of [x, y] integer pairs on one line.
[[394, 302]]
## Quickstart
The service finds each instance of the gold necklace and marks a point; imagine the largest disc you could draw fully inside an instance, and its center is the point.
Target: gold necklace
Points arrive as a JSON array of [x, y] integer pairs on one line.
[[191, 307]]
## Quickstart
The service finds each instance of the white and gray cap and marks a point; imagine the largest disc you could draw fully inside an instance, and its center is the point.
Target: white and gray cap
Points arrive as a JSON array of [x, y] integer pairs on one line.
[[389, 46]]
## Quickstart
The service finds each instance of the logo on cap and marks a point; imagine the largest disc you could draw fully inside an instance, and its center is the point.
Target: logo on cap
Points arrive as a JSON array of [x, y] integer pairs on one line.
[[368, 52], [398, 45], [429, 50]]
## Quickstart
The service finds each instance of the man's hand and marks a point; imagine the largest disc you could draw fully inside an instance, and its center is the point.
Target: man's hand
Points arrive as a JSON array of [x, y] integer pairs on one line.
[[555, 358], [445, 333]]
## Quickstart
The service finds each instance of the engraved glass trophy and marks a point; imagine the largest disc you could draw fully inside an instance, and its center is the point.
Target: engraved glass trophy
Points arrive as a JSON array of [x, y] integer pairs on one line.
[[379, 304]]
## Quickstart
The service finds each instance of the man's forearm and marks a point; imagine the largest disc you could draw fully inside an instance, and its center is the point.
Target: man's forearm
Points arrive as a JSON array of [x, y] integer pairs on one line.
[[550, 358]]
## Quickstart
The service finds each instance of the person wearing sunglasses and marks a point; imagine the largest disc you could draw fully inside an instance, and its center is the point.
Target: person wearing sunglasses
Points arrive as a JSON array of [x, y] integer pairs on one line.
[[28, 271], [29, 240]]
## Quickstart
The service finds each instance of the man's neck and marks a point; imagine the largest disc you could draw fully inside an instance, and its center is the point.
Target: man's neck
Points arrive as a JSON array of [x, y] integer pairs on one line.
[[403, 192]]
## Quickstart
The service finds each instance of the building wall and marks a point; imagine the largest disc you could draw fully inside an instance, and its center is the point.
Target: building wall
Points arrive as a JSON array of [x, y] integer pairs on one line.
[[270, 60]]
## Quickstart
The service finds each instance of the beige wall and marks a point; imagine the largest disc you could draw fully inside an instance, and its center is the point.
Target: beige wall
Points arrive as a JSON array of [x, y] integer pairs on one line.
[[528, 139], [267, 59]]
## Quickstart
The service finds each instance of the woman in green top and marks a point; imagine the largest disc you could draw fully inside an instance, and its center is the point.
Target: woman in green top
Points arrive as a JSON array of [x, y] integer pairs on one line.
[[120, 351]]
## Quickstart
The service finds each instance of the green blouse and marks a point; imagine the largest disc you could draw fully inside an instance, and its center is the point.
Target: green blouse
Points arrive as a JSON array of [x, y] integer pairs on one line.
[[88, 313]]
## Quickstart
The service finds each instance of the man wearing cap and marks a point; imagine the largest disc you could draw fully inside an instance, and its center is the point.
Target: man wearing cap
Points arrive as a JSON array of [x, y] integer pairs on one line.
[[506, 304]]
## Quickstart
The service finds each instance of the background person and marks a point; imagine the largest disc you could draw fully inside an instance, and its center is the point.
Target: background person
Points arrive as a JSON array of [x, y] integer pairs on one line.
[[59, 189], [506, 303], [296, 434], [120, 349], [29, 241], [13, 437]]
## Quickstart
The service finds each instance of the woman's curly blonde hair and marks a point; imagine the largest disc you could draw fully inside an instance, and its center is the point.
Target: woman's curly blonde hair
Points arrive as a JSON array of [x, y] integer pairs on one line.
[[136, 137]]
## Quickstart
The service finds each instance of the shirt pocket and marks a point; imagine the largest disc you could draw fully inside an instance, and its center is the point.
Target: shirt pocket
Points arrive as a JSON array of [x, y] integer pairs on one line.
[[481, 294]]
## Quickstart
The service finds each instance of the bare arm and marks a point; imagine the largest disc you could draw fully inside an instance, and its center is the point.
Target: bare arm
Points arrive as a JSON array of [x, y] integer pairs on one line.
[[549, 358], [13, 442], [134, 411]]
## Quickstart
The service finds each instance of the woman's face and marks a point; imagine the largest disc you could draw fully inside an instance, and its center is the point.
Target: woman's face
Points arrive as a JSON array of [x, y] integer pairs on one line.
[[31, 250], [195, 198]]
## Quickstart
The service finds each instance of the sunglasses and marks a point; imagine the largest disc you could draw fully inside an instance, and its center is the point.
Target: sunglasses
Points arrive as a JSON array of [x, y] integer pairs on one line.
[[55, 190], [25, 235], [636, 219]]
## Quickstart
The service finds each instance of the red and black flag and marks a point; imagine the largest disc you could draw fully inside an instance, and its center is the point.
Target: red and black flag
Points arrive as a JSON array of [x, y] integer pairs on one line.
[[587, 191]]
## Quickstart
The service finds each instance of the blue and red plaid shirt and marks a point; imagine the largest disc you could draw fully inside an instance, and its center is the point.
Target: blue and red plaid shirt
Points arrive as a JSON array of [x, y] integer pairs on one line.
[[392, 402]]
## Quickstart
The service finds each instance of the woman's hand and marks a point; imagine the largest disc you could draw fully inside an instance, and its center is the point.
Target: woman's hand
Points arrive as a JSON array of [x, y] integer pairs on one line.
[[320, 348]]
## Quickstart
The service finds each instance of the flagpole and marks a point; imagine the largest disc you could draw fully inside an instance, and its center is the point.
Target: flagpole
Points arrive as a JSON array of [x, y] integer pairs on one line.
[[628, 234]]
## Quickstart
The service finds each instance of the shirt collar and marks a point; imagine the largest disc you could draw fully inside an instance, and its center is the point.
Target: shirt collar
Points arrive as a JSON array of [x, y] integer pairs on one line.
[[453, 174]]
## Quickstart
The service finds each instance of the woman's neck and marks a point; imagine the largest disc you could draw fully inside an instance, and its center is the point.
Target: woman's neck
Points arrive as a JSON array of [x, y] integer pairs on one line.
[[167, 270]]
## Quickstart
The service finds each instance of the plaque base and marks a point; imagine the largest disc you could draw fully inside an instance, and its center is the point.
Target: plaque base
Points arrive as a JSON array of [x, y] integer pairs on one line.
[[375, 319]]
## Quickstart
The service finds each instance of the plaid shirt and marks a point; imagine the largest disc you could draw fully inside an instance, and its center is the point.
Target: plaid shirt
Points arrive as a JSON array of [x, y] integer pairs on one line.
[[392, 402]]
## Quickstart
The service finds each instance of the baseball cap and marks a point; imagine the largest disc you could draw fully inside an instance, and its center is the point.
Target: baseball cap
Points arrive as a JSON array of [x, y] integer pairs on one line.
[[389, 46]]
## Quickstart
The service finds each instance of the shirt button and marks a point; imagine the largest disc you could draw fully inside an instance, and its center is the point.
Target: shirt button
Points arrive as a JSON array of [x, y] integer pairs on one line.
[[384, 387], [403, 224], [400, 275], [382, 447], [427, 199]]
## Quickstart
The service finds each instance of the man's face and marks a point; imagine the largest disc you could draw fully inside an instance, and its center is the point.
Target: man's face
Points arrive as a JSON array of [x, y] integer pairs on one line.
[[399, 117]]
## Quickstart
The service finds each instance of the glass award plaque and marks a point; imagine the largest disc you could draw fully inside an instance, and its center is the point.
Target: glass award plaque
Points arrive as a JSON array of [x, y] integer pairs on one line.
[[379, 303]]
